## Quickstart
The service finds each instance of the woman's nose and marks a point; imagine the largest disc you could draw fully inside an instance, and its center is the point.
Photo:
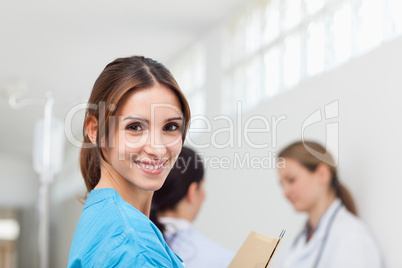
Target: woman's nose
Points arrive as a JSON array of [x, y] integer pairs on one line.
[[286, 191], [155, 146]]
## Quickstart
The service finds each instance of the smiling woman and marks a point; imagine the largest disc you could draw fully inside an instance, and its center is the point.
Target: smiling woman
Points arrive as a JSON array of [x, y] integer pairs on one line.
[[136, 122]]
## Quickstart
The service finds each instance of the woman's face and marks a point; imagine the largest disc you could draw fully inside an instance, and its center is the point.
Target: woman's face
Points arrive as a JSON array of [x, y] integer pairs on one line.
[[200, 194], [147, 137], [198, 198], [300, 186]]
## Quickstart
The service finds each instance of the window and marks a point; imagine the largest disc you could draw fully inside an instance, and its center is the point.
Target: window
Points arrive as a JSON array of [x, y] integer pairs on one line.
[[275, 44], [189, 71]]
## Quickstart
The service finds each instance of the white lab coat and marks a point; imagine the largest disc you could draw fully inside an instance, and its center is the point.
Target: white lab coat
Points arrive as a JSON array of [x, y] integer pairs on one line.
[[195, 249], [348, 245]]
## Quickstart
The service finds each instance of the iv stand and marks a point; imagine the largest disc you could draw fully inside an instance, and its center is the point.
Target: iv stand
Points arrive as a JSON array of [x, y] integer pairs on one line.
[[45, 181], [46, 175]]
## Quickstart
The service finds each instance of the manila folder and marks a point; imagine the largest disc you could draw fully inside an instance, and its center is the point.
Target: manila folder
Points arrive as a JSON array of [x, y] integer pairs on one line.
[[256, 252]]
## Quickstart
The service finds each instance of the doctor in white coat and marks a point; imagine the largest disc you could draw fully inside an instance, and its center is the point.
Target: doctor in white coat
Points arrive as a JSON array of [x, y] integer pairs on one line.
[[334, 237], [174, 208]]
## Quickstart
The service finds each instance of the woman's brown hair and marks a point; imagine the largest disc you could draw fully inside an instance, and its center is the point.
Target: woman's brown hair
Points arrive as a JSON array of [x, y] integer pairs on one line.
[[118, 79], [298, 152]]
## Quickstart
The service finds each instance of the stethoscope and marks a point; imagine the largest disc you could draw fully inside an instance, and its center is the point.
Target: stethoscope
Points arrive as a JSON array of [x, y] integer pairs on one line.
[[324, 241]]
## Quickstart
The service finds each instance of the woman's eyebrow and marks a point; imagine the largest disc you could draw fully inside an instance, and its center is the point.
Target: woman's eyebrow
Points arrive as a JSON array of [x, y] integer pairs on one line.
[[136, 118], [147, 121], [174, 119]]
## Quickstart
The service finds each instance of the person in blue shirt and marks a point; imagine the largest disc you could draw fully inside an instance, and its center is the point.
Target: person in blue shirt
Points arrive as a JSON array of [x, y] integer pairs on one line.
[[134, 128], [176, 205]]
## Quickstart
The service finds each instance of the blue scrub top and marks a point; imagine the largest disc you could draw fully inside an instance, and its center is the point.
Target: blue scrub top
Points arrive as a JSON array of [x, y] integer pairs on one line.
[[112, 233]]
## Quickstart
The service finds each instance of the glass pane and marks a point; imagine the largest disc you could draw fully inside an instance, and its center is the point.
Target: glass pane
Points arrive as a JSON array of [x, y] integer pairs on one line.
[[341, 35], [253, 31], [315, 48], [239, 40], [313, 5], [271, 20], [185, 77], [272, 73], [227, 48], [197, 103], [291, 10], [189, 70], [369, 24], [393, 26], [252, 90], [291, 60], [238, 84], [227, 95], [199, 67]]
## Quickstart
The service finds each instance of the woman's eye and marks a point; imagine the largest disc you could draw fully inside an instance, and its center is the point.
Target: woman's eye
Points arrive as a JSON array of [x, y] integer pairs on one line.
[[171, 127], [134, 127]]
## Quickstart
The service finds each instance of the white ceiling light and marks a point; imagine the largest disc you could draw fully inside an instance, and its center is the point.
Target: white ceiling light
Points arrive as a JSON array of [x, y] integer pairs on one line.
[[9, 229]]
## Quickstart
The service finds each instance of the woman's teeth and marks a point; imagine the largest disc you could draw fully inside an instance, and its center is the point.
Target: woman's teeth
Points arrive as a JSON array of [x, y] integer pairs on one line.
[[151, 167]]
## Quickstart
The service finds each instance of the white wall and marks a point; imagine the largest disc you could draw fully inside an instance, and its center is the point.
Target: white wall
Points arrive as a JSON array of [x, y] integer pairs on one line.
[[369, 91], [18, 179]]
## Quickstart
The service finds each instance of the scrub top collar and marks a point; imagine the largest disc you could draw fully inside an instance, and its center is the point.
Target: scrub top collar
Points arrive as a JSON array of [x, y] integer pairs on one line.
[[173, 225], [98, 195]]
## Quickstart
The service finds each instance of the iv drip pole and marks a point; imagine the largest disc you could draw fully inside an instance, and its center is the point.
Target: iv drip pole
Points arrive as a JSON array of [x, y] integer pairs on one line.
[[46, 175], [45, 180]]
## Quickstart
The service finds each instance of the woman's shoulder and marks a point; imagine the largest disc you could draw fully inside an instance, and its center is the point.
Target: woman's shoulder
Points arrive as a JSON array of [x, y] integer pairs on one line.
[[349, 223], [109, 225], [102, 208], [110, 209], [106, 215], [132, 249], [353, 242], [123, 250], [349, 229]]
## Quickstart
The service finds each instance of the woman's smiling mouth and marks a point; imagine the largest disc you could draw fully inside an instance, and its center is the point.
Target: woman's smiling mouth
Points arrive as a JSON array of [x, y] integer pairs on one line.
[[150, 167]]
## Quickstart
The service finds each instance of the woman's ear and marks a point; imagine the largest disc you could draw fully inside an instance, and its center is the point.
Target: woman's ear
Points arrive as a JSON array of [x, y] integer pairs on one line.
[[324, 173], [191, 195], [92, 128]]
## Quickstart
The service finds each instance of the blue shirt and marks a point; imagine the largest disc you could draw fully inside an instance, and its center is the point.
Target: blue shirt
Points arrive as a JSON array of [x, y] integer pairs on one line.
[[112, 233]]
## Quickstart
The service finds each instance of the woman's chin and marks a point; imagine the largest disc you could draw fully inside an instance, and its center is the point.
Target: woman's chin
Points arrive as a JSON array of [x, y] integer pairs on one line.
[[151, 187], [298, 207]]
